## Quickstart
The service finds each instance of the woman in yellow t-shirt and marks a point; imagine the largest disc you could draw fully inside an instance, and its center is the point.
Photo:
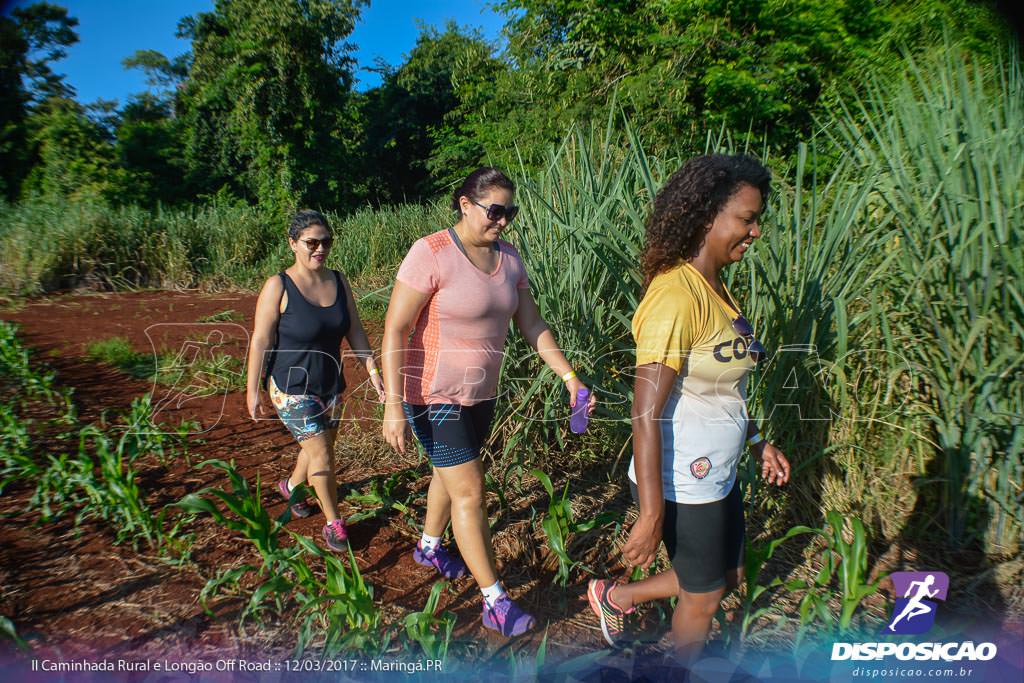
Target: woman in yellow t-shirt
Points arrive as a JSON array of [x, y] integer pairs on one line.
[[694, 350]]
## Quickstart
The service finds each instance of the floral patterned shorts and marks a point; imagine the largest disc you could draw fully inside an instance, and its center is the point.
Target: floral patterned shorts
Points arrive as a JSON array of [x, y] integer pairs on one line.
[[305, 415]]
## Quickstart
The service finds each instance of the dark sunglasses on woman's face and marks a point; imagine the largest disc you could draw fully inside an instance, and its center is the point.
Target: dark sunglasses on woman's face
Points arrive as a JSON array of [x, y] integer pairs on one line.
[[496, 211], [754, 347], [314, 244]]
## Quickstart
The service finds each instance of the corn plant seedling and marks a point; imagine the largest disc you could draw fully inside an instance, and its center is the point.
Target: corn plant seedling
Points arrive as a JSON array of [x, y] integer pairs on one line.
[[432, 631], [382, 496], [227, 315], [559, 522], [162, 441], [814, 607], [34, 383], [342, 604], [339, 606], [115, 495], [847, 563], [217, 583], [57, 486], [852, 565], [520, 667], [251, 519], [14, 363], [8, 631], [753, 563], [16, 461]]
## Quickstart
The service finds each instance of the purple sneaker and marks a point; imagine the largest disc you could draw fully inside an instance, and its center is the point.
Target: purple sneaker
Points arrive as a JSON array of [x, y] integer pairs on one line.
[[300, 509], [336, 535], [507, 618], [450, 566]]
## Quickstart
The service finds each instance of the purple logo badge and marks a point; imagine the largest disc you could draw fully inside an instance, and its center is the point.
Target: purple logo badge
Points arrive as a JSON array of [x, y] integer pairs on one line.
[[914, 611]]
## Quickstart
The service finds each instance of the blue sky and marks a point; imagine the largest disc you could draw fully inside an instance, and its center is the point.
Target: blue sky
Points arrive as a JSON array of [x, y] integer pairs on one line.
[[110, 30]]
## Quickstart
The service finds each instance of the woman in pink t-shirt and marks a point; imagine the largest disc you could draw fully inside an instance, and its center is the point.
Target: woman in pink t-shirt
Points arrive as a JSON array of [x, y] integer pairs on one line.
[[444, 340]]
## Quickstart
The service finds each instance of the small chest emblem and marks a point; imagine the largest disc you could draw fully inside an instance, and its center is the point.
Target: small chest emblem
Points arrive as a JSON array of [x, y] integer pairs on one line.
[[700, 467]]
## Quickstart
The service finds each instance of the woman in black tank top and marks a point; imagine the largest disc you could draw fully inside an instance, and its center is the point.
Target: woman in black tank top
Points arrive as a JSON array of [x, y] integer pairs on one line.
[[302, 315]]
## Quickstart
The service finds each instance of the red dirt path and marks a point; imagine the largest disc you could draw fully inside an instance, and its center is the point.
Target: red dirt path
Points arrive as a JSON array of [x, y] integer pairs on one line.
[[71, 591], [74, 592]]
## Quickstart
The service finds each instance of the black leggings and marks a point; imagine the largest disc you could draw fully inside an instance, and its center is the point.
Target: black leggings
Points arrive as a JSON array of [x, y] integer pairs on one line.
[[703, 540]]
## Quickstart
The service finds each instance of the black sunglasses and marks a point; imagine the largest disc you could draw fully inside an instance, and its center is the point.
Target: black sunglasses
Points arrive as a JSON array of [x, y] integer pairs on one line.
[[754, 347], [314, 244], [496, 211]]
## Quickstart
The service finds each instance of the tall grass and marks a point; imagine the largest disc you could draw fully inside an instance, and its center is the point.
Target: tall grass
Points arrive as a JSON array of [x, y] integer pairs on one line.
[[581, 238], [945, 151], [98, 246], [888, 287]]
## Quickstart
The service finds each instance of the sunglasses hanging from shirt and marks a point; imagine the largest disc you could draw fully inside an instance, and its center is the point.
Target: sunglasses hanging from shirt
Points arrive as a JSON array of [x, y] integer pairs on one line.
[[754, 347]]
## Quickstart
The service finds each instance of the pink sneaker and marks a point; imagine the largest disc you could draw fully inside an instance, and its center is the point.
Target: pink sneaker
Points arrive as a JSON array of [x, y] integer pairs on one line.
[[299, 509], [336, 535], [612, 617]]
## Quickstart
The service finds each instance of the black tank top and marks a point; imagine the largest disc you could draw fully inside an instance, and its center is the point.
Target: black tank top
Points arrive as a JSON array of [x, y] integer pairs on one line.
[[306, 358]]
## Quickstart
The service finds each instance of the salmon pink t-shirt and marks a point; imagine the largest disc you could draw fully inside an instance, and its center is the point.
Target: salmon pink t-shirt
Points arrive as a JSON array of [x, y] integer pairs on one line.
[[455, 352]]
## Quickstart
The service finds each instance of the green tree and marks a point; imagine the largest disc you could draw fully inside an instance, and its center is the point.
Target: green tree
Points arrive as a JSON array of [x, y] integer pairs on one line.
[[681, 67], [76, 156], [149, 149], [267, 108], [30, 39], [148, 133], [413, 109]]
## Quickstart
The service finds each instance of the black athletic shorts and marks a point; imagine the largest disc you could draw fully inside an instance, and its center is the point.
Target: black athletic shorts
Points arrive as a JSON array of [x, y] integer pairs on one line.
[[451, 434], [704, 541]]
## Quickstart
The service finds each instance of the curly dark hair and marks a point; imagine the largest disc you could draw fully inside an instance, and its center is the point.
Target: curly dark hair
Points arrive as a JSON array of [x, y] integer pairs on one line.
[[688, 203]]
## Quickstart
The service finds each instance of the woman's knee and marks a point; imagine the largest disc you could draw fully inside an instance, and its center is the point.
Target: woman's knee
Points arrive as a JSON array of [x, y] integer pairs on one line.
[[318, 451], [464, 484], [701, 604], [466, 494], [467, 500]]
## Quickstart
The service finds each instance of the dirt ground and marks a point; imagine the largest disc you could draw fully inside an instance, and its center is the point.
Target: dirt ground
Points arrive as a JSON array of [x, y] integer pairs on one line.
[[74, 592]]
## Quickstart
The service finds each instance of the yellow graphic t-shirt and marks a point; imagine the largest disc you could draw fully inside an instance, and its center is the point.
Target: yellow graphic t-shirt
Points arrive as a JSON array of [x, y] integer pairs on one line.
[[683, 323]]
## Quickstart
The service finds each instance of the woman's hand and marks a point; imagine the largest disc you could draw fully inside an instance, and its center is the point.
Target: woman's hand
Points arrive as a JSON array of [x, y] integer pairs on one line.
[[774, 465], [642, 544], [376, 379], [254, 402], [574, 385], [395, 427]]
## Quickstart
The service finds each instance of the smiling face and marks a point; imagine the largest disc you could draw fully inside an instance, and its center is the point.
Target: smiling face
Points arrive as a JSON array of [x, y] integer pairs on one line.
[[481, 229], [735, 227], [313, 259]]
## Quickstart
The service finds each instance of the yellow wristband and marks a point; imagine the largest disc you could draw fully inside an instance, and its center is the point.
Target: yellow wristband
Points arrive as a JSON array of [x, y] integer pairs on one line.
[[374, 371], [568, 376]]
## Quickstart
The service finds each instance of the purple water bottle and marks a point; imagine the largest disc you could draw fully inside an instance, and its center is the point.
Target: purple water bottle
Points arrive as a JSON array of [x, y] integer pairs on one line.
[[579, 419]]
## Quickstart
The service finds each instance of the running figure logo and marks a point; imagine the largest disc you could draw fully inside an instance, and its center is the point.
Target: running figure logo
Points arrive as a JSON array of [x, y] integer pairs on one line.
[[915, 611]]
